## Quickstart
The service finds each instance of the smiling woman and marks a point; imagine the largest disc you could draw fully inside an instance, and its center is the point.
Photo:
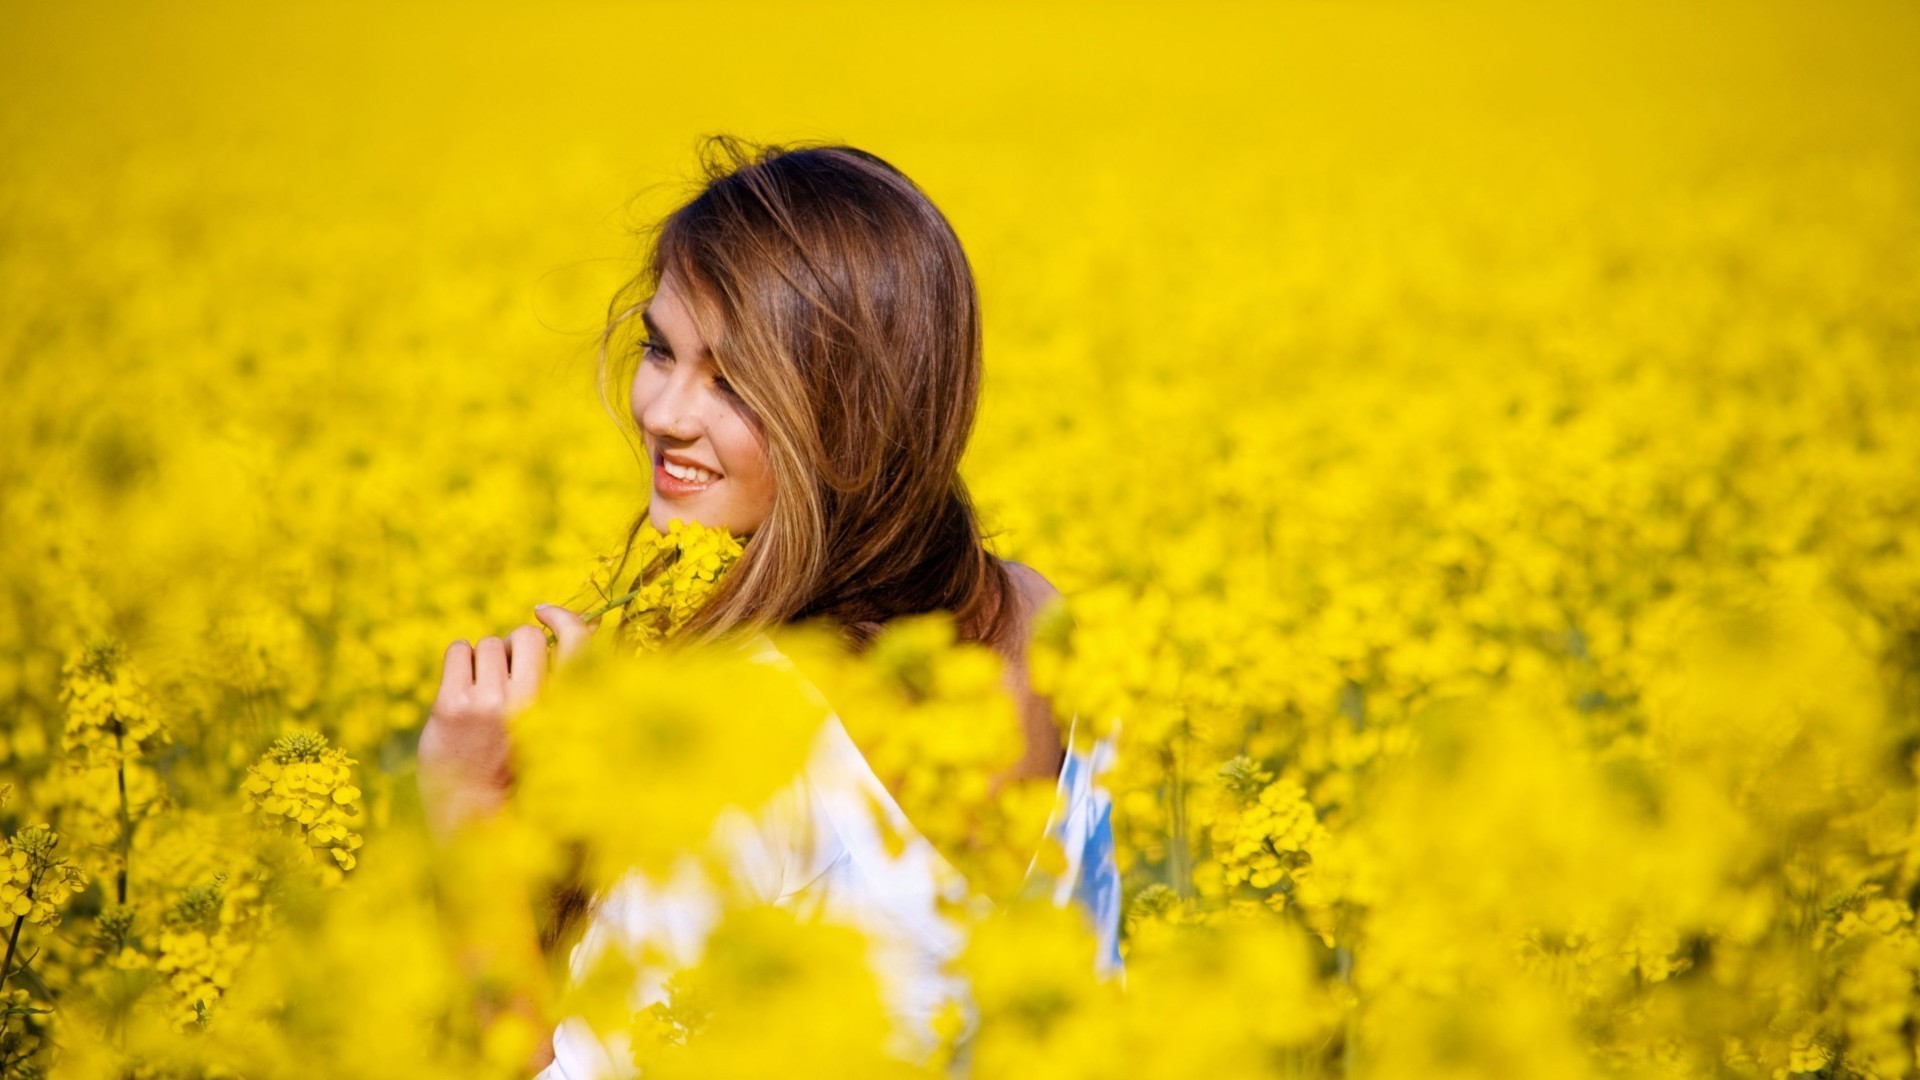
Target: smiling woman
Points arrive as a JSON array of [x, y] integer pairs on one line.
[[807, 379]]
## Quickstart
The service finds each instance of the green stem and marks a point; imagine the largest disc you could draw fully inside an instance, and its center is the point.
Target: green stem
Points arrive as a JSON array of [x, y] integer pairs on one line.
[[126, 818], [1180, 870], [1349, 1046], [609, 606], [6, 969]]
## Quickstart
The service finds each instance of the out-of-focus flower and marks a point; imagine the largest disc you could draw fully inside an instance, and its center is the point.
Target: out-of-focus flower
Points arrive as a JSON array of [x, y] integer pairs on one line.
[[203, 939], [110, 712]]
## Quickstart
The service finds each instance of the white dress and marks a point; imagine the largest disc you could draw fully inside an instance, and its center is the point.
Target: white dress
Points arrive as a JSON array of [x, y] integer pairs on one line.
[[817, 849]]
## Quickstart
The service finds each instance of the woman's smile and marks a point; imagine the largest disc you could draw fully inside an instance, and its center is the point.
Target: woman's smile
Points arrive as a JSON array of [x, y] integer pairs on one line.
[[675, 475]]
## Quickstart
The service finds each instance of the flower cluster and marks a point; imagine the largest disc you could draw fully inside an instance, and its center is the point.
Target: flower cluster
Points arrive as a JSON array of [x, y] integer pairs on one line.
[[678, 572], [203, 938], [116, 940], [37, 882], [309, 784], [110, 713], [1273, 836]]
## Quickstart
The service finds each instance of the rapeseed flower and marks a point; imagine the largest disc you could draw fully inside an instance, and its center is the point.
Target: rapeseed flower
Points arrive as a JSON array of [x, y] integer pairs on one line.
[[663, 581], [110, 711], [38, 880], [637, 755], [308, 785]]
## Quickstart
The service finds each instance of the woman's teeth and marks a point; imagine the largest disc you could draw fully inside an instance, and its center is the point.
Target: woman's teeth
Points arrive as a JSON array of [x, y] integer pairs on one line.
[[691, 474]]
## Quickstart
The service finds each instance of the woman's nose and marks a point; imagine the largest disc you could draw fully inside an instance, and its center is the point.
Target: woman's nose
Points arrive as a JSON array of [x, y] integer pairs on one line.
[[671, 414]]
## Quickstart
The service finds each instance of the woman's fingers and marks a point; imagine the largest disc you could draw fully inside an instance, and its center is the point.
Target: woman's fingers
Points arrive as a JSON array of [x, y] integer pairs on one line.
[[526, 652], [490, 663], [513, 667], [457, 672], [569, 631], [526, 663]]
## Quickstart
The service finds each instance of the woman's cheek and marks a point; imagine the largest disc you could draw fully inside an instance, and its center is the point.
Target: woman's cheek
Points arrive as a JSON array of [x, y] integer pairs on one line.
[[642, 394], [756, 487]]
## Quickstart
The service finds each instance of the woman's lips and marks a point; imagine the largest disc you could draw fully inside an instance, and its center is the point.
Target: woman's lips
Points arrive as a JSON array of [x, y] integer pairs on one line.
[[671, 486]]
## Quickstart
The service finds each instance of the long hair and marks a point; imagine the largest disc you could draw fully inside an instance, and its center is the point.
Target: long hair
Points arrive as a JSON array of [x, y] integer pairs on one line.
[[838, 302]]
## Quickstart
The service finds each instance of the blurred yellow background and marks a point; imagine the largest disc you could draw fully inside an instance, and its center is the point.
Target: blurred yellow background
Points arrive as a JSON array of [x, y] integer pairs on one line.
[[1343, 358]]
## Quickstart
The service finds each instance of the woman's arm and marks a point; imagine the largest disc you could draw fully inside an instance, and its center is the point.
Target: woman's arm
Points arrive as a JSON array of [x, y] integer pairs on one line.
[[465, 776]]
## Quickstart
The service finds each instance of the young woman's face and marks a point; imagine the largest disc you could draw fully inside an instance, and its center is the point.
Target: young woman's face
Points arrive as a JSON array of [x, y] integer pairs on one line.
[[708, 454]]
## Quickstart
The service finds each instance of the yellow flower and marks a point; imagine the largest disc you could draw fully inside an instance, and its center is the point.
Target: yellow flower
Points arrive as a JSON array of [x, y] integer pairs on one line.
[[109, 711], [35, 883], [308, 785], [1274, 832], [676, 574], [639, 754], [204, 937]]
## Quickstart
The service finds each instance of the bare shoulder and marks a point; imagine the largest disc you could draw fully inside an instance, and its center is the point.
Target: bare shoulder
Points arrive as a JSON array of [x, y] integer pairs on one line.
[[1035, 590]]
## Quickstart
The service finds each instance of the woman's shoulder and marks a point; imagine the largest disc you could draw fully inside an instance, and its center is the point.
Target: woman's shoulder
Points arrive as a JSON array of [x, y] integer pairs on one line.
[[1034, 588], [1032, 594]]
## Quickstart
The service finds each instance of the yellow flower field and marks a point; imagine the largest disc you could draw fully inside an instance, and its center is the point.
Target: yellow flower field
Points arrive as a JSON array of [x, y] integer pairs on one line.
[[1479, 445]]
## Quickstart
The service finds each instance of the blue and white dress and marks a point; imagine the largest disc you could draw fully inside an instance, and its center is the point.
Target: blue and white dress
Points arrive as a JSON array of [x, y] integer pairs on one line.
[[818, 849]]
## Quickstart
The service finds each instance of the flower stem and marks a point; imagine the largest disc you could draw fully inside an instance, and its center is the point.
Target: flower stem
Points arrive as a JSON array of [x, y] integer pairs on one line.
[[1180, 862], [609, 606], [126, 819], [6, 969]]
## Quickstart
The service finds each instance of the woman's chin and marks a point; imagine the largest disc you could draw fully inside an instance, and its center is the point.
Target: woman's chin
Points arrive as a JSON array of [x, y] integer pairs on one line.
[[662, 513]]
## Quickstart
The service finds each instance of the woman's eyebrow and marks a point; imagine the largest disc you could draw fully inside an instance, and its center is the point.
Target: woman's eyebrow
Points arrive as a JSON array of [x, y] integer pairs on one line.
[[653, 328]]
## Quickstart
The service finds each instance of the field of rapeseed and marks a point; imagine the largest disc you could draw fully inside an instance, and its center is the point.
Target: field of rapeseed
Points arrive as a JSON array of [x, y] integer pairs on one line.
[[1479, 446]]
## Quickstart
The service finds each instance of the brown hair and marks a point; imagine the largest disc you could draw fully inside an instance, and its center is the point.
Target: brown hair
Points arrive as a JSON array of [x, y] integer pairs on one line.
[[837, 300]]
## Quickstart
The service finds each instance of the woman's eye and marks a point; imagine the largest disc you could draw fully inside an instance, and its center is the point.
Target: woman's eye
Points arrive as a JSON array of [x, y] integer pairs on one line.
[[653, 350], [725, 387]]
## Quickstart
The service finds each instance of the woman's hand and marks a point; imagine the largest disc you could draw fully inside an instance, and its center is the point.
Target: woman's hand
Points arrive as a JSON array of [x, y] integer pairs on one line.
[[465, 756]]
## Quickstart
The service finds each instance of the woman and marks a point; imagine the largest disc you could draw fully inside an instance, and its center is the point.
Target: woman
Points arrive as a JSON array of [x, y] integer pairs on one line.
[[807, 380]]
